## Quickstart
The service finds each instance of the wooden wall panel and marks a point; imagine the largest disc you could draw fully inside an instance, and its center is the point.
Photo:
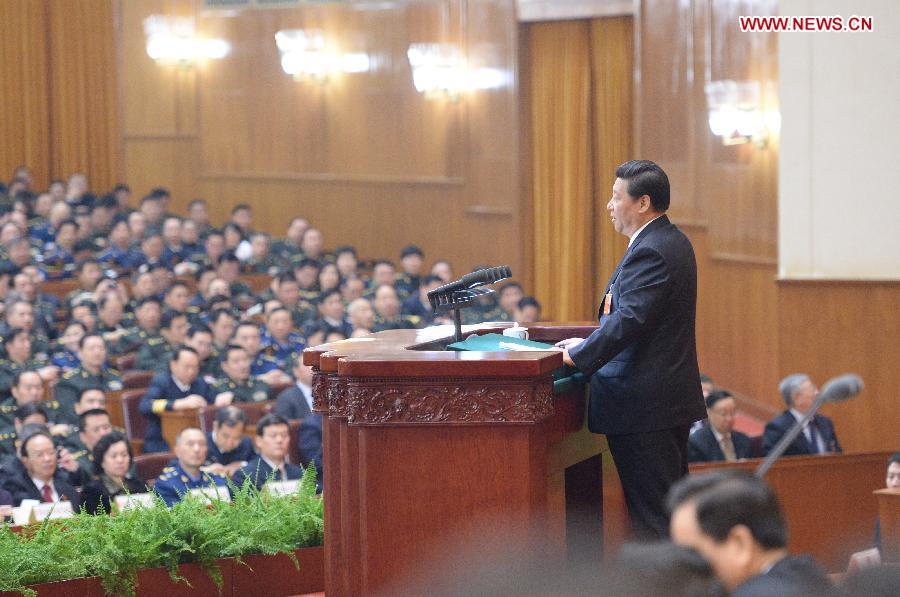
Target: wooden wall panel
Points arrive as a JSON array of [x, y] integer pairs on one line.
[[24, 95], [364, 156], [83, 99], [830, 328]]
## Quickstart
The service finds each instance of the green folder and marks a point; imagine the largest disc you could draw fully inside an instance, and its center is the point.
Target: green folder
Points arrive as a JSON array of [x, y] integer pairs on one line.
[[564, 378]]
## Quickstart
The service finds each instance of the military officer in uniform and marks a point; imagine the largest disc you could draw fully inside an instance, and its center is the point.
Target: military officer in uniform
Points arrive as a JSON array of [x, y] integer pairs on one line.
[[147, 314], [157, 352], [280, 342], [20, 314], [411, 260], [237, 381], [90, 398], [92, 425], [17, 346], [262, 366], [92, 373], [185, 475], [387, 311]]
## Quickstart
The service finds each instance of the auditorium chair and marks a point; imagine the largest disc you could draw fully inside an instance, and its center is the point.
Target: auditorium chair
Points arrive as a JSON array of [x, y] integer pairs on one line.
[[150, 466], [135, 421], [134, 379], [278, 388], [124, 362]]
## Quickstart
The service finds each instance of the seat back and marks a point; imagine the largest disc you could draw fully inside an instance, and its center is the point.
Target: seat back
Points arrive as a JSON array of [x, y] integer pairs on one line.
[[150, 466], [132, 380], [135, 421]]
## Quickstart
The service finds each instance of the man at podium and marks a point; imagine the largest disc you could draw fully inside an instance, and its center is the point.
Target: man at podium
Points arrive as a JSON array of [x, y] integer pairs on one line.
[[645, 383]]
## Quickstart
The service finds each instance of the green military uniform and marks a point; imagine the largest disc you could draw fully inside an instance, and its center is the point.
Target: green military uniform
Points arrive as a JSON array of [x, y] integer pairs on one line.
[[9, 369], [134, 338], [406, 285], [75, 381], [240, 290], [270, 265], [9, 406], [155, 355], [8, 442], [401, 322], [209, 367], [303, 313], [286, 250], [251, 390], [40, 347]]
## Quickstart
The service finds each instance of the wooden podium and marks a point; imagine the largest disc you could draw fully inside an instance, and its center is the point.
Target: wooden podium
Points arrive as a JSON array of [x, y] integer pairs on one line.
[[423, 446], [889, 519]]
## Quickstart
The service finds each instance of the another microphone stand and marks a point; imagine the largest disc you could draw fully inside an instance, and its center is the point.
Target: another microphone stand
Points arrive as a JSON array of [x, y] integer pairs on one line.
[[790, 436]]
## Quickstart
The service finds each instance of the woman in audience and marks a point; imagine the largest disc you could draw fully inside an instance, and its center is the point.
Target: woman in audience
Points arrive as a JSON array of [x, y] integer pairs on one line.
[[112, 461], [329, 277]]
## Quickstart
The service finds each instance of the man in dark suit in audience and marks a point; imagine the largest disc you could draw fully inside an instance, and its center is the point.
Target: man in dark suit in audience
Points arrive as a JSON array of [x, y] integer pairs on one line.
[[228, 449], [180, 388], [645, 382], [295, 402], [272, 442], [310, 447], [734, 521], [818, 437], [38, 477], [717, 440]]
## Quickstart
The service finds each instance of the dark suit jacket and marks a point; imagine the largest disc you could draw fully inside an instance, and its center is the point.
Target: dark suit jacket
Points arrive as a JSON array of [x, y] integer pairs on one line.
[[793, 576], [310, 447], [703, 447], [95, 494], [643, 357], [20, 485], [6, 498], [244, 452], [780, 425], [258, 471], [162, 394], [291, 404]]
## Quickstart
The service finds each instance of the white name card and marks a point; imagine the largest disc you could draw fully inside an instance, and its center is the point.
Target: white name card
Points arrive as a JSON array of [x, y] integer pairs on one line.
[[133, 500], [210, 494], [45, 510], [281, 488]]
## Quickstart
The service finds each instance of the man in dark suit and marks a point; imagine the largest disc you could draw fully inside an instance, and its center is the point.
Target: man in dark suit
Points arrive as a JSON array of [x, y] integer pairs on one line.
[[645, 384], [272, 442], [38, 477], [818, 437], [310, 445], [734, 521], [717, 440], [228, 449], [295, 402], [180, 388]]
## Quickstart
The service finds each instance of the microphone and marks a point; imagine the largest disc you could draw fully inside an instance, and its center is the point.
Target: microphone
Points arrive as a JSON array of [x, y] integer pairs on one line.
[[482, 277], [836, 389]]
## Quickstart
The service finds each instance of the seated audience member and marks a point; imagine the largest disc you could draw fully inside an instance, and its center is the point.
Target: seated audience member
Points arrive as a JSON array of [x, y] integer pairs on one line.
[[310, 445], [26, 387], [352, 288], [228, 449], [76, 453], [38, 477], [818, 437], [186, 474], [65, 354], [383, 273], [443, 270], [17, 347], [295, 402], [272, 441], [93, 373], [200, 339], [31, 413], [528, 310], [331, 311], [362, 317], [734, 521], [892, 482], [660, 568], [407, 283], [181, 388], [263, 367], [237, 384], [508, 297], [387, 311], [347, 262], [88, 399], [147, 314], [111, 459], [281, 343], [717, 440], [417, 303], [156, 352]]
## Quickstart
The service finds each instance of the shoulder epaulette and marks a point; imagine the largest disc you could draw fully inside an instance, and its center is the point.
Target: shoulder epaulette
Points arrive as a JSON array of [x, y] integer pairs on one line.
[[155, 341], [70, 374]]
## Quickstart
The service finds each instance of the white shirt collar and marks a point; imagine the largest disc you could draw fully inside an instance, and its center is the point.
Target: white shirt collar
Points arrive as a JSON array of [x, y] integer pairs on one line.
[[181, 386], [641, 229], [307, 393], [273, 466], [719, 437], [799, 416], [40, 487]]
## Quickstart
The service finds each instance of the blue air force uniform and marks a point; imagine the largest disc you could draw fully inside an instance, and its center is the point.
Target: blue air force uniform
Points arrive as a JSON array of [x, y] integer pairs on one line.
[[283, 354], [174, 483]]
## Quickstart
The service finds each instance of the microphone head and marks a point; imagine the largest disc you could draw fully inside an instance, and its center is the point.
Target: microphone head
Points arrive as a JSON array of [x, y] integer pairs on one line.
[[843, 387]]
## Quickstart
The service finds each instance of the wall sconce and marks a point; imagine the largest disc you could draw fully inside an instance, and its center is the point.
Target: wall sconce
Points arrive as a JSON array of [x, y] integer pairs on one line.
[[304, 56], [439, 71], [171, 40], [736, 113]]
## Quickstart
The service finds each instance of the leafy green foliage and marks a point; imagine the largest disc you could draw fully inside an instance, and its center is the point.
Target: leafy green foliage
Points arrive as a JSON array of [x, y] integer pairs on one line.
[[116, 547]]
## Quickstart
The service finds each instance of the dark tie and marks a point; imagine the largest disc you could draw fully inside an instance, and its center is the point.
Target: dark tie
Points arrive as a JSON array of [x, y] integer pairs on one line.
[[46, 493], [813, 438]]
